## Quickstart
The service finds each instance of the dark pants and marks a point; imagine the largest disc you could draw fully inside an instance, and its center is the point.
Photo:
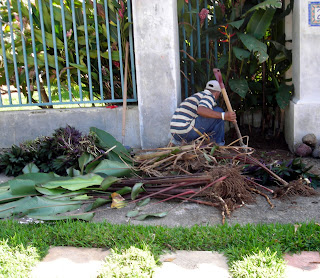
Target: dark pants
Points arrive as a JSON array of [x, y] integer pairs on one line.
[[214, 128]]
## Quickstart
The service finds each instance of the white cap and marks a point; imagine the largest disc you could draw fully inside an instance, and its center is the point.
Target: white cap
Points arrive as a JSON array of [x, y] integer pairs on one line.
[[213, 85]]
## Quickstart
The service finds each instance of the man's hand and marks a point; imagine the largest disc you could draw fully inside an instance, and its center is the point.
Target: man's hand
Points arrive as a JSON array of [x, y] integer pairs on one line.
[[230, 116]]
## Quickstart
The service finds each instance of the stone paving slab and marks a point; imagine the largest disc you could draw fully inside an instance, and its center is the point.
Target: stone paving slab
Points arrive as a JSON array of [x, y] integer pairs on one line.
[[306, 264], [190, 264], [63, 262]]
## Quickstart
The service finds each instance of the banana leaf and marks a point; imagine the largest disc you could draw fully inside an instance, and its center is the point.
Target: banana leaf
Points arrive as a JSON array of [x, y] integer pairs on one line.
[[258, 48], [108, 181], [82, 216], [107, 141], [260, 22], [240, 53], [38, 178], [6, 210], [113, 168], [265, 5], [43, 206], [75, 183], [283, 96], [22, 187], [239, 86]]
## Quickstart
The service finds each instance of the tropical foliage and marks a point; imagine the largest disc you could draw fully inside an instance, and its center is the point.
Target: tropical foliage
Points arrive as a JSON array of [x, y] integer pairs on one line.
[[48, 196], [246, 41], [75, 55]]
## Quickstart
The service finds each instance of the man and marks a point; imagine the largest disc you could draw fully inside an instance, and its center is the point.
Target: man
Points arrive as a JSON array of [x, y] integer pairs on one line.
[[200, 112]]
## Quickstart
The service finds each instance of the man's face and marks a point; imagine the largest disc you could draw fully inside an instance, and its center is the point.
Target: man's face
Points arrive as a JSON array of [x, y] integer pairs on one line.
[[216, 94]]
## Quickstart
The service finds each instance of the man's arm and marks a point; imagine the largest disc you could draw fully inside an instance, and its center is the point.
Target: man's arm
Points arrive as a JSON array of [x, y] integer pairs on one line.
[[208, 113]]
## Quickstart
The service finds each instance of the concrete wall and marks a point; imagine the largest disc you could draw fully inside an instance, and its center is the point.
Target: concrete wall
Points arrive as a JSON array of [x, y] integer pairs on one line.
[[19, 126], [303, 114], [158, 86]]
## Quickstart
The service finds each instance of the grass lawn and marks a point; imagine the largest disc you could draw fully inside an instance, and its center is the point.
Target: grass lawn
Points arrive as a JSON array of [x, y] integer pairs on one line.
[[235, 242]]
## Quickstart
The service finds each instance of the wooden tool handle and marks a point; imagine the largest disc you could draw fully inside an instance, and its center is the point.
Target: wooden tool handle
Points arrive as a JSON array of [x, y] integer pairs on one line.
[[217, 74]]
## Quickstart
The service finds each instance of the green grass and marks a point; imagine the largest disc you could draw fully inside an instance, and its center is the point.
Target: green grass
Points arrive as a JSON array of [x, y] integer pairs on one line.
[[132, 262], [263, 264], [235, 242], [16, 261]]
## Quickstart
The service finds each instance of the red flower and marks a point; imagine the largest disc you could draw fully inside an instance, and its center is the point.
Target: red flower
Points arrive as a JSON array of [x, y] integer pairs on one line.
[[122, 10], [203, 15], [111, 106], [187, 1], [69, 33], [116, 64]]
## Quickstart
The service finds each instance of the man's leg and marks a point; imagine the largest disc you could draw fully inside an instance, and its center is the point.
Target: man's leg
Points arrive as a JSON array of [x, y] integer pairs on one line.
[[213, 127]]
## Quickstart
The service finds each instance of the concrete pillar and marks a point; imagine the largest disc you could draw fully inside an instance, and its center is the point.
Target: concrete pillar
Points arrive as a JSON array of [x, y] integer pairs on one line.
[[303, 114], [156, 42]]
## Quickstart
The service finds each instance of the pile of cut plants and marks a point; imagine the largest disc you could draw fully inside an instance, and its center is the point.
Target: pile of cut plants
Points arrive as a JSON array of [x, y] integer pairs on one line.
[[57, 176]]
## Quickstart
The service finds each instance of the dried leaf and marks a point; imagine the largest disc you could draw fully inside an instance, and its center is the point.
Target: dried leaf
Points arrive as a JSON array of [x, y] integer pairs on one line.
[[117, 201]]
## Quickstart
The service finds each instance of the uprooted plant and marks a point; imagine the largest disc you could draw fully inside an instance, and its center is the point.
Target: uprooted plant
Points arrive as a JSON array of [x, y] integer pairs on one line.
[[201, 173]]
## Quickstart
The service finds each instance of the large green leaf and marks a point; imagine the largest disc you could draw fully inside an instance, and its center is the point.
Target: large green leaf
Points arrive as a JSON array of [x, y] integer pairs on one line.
[[260, 22], [4, 184], [237, 24], [8, 197], [38, 178], [283, 95], [107, 141], [97, 203], [222, 61], [265, 5], [149, 215], [137, 188], [75, 183], [258, 48], [84, 159], [283, 51], [23, 187], [133, 213], [113, 168], [51, 192], [239, 86], [108, 181], [43, 206], [82, 216], [6, 210], [240, 53], [30, 168], [125, 190]]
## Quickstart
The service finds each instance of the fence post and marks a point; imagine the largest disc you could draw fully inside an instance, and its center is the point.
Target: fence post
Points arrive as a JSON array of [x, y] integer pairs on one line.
[[156, 41]]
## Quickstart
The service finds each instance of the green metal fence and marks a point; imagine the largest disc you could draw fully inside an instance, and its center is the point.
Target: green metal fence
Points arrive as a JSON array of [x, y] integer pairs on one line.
[[64, 52], [199, 52]]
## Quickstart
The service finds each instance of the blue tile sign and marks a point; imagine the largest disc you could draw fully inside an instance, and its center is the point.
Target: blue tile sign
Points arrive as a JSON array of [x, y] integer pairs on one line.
[[314, 13]]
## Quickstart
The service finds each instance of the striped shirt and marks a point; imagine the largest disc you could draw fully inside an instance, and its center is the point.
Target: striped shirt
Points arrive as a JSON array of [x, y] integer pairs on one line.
[[184, 118]]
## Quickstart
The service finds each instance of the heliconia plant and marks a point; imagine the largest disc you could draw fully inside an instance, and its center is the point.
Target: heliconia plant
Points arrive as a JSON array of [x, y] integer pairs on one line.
[[251, 53]]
